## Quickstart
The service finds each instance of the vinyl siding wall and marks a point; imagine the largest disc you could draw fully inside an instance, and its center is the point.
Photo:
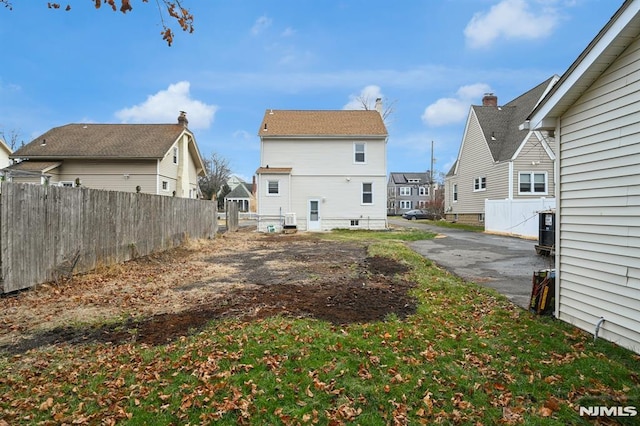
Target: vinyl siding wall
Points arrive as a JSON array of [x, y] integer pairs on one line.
[[325, 170], [475, 161], [599, 205], [533, 158], [111, 175]]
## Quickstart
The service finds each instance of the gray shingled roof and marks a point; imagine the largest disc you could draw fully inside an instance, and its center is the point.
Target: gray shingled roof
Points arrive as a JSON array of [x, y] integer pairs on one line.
[[402, 177], [322, 123], [500, 125], [113, 141], [243, 190]]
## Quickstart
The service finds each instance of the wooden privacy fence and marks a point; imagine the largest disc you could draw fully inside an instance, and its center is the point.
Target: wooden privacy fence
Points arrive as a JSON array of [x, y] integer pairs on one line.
[[49, 231], [232, 216]]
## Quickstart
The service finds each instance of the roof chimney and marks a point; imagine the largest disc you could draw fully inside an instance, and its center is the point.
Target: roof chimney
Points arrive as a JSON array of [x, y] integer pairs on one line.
[[489, 99], [182, 119], [379, 105]]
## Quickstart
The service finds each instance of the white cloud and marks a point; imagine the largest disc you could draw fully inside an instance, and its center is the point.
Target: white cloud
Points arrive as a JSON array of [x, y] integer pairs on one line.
[[511, 19], [454, 110], [261, 24], [369, 94], [164, 107], [288, 32], [241, 135]]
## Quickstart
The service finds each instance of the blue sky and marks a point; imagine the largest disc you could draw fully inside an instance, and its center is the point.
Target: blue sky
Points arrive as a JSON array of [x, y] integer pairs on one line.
[[430, 60]]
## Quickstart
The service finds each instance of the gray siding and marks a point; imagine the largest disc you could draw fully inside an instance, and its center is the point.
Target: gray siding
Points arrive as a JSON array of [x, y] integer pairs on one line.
[[599, 205], [533, 158], [475, 161]]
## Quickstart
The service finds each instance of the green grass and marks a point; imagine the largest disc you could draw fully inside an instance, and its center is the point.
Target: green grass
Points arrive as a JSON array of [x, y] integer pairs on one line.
[[467, 356]]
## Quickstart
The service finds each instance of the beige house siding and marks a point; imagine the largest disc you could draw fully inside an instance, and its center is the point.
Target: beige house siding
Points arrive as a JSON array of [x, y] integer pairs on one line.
[[475, 161], [109, 175], [533, 158], [599, 205]]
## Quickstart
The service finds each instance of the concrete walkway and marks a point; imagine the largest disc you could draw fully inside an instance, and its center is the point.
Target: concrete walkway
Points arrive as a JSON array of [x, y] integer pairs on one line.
[[505, 264]]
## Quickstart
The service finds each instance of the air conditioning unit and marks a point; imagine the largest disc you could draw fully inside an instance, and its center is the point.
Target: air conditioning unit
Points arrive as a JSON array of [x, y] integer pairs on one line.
[[290, 219]]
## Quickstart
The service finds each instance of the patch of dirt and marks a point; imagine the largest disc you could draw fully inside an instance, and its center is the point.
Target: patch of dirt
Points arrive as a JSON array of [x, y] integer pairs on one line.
[[244, 275]]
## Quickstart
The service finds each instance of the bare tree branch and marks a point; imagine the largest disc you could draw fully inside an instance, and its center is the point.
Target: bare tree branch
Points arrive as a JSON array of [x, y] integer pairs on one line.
[[217, 174], [174, 8]]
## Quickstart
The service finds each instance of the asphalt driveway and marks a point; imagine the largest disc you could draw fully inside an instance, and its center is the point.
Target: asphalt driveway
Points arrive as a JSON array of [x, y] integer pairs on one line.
[[505, 264]]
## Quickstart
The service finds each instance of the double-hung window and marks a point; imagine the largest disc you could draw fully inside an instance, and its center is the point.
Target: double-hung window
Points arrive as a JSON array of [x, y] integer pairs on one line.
[[367, 193], [534, 183], [455, 192], [273, 187], [359, 151], [175, 155], [405, 204], [480, 184], [405, 190], [424, 191]]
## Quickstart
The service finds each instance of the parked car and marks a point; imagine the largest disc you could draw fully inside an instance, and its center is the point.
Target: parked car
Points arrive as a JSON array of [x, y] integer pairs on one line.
[[417, 214]]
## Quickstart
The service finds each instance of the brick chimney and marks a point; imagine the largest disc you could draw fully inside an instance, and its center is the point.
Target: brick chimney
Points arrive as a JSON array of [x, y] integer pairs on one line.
[[182, 119], [489, 99]]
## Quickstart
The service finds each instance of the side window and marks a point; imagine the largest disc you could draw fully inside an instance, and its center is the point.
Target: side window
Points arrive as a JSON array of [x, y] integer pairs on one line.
[[455, 192], [175, 155], [359, 153], [273, 187], [367, 193], [532, 183]]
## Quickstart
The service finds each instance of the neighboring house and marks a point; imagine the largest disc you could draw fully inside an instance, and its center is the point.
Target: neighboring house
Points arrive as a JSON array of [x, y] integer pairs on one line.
[[593, 111], [326, 168], [407, 191], [5, 152], [158, 159], [242, 193], [499, 161]]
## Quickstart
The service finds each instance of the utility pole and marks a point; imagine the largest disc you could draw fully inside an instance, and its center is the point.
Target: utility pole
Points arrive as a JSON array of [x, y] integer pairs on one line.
[[431, 175]]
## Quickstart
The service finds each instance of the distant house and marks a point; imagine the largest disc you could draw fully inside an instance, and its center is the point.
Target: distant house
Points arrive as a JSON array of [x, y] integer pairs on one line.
[[5, 152], [242, 193], [407, 191], [158, 159], [321, 170], [499, 161], [593, 111]]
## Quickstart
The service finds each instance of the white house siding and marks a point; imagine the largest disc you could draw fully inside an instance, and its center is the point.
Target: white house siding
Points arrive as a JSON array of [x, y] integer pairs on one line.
[[599, 205], [532, 157], [475, 160], [340, 201], [273, 207], [325, 170], [110, 175]]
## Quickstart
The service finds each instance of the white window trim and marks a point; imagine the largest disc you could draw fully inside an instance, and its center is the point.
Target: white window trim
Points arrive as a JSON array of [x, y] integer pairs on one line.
[[404, 203], [168, 188], [454, 193], [478, 180], [532, 183], [403, 190], [362, 194], [424, 191], [67, 183], [272, 194], [175, 155], [364, 147]]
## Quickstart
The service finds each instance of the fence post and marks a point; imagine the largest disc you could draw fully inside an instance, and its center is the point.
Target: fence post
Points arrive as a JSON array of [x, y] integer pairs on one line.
[[232, 216]]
